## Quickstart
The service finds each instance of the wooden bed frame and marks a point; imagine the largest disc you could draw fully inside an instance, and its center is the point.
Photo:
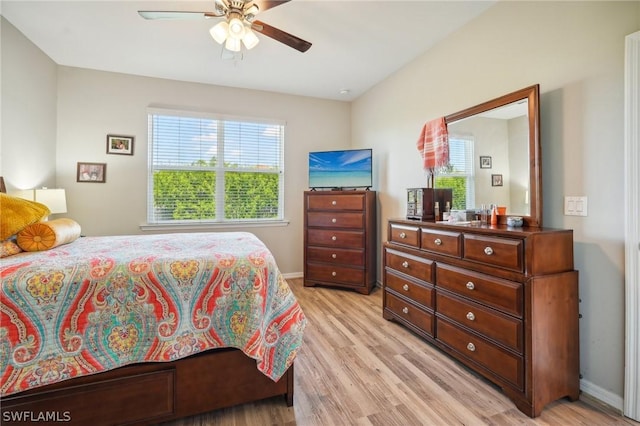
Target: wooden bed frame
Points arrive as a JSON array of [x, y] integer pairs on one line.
[[149, 393]]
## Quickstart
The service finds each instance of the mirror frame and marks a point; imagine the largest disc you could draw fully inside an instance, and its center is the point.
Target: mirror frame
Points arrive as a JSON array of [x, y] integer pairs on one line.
[[532, 94]]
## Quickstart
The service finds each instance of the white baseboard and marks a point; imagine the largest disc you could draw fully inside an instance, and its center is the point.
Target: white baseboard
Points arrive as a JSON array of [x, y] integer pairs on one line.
[[292, 275], [603, 395]]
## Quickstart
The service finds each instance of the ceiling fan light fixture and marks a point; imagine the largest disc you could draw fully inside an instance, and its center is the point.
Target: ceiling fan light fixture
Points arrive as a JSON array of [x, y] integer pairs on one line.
[[233, 44], [250, 39], [236, 28], [251, 10], [237, 21], [220, 32]]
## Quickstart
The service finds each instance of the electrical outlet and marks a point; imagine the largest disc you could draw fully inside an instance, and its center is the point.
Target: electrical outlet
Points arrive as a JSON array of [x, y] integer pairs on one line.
[[575, 206]]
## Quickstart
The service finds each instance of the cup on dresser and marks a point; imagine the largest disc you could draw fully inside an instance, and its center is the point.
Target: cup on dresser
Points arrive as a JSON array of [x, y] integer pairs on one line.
[[483, 214]]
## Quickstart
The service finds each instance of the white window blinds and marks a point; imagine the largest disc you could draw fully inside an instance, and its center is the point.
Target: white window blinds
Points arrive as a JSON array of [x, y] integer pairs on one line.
[[460, 173], [214, 169]]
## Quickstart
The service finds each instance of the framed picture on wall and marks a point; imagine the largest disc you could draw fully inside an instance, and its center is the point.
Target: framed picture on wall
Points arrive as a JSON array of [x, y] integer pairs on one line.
[[122, 145], [485, 162], [92, 172], [496, 180]]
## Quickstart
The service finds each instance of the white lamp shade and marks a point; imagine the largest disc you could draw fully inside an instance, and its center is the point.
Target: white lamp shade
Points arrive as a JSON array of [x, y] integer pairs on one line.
[[55, 199], [250, 39], [233, 44], [252, 10], [27, 194], [236, 28], [220, 32]]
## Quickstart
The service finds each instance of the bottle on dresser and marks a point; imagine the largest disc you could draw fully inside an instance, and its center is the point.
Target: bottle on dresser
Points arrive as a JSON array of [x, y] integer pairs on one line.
[[494, 214], [483, 214]]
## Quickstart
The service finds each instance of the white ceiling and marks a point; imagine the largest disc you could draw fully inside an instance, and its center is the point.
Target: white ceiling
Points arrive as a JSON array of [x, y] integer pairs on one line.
[[356, 44]]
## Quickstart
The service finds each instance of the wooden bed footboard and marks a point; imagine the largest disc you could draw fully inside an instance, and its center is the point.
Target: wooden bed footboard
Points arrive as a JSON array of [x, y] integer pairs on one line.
[[149, 393]]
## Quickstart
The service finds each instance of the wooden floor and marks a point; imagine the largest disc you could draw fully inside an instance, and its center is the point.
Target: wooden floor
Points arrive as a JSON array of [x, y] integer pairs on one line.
[[355, 368]]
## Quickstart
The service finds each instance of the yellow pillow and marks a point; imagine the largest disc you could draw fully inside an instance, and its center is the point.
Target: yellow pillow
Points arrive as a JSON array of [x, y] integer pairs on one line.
[[46, 235], [16, 213]]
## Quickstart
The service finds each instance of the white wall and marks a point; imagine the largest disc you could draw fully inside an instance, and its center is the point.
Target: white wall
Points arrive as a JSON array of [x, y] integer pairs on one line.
[[29, 93], [92, 104], [575, 51]]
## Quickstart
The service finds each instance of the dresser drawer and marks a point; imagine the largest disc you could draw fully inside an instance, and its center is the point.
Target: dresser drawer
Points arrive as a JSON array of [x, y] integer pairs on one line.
[[336, 202], [506, 365], [335, 219], [404, 234], [416, 267], [335, 238], [442, 242], [495, 292], [352, 257], [422, 294], [499, 327], [503, 252], [334, 274], [410, 312]]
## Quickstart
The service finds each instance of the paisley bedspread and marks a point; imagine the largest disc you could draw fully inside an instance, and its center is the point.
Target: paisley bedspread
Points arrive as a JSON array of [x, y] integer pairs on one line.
[[104, 302]]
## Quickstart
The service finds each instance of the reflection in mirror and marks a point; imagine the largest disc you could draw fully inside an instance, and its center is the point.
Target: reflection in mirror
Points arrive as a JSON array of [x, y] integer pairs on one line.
[[496, 146], [494, 152]]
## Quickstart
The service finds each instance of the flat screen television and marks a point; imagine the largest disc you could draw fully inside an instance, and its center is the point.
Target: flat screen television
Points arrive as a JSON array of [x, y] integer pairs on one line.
[[350, 168]]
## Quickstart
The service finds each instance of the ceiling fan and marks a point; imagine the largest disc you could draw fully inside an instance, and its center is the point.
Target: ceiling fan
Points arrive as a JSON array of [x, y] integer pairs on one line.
[[238, 25]]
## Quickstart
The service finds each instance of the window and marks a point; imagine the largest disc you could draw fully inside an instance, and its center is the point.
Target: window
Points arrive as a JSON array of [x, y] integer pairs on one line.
[[460, 173], [209, 169]]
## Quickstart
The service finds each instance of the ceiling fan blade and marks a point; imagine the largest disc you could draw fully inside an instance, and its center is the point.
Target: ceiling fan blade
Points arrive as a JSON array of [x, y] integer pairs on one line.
[[155, 14], [267, 4], [281, 36]]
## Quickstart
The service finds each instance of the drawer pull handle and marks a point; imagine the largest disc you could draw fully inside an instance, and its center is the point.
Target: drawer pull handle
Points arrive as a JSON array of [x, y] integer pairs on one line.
[[334, 238], [334, 273], [334, 220], [438, 242], [471, 285], [471, 347], [405, 287], [403, 235], [334, 256], [405, 310], [488, 251], [334, 202], [405, 264], [471, 316]]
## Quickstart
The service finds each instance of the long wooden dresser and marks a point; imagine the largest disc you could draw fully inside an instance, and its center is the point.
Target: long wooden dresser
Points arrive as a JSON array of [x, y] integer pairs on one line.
[[340, 239], [503, 301]]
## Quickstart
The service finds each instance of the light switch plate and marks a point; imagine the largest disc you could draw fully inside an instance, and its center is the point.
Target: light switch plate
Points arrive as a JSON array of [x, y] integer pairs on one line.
[[575, 206]]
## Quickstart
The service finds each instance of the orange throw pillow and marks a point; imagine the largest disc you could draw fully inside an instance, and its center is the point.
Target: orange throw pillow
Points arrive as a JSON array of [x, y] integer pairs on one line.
[[47, 235]]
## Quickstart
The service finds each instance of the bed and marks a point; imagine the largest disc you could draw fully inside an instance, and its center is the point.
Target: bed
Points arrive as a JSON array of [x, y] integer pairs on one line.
[[144, 329]]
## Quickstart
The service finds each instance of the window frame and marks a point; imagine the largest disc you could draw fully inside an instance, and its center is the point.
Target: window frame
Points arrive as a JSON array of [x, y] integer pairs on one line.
[[469, 153], [220, 169]]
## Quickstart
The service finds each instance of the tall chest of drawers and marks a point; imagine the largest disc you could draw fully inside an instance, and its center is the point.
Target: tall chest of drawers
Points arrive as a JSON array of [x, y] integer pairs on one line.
[[503, 301], [340, 239]]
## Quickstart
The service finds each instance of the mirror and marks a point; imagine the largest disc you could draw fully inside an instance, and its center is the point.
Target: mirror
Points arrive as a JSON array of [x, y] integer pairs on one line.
[[498, 142]]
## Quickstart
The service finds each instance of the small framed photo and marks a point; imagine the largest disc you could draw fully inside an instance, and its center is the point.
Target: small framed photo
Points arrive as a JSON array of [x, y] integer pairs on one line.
[[122, 145], [496, 180], [485, 162], [92, 172]]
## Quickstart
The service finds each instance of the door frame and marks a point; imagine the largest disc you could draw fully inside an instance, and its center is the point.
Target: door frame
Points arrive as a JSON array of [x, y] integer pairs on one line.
[[632, 226]]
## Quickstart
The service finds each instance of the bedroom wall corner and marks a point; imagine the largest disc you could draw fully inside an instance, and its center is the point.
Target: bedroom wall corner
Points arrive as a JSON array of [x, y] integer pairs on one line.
[[29, 112]]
